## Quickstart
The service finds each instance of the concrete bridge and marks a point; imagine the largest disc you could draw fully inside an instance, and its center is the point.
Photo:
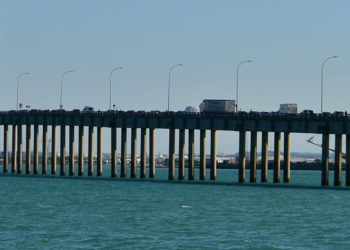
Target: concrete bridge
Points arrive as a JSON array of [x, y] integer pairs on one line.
[[243, 122]]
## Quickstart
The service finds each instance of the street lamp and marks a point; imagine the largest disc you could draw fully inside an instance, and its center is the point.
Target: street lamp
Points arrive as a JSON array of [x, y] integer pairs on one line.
[[239, 65], [110, 86], [324, 62], [171, 68], [65, 73], [19, 77]]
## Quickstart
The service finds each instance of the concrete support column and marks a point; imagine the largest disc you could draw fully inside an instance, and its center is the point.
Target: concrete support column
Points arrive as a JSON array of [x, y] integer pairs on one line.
[[202, 160], [71, 150], [28, 148], [6, 150], [213, 152], [264, 157], [191, 154], [347, 164], [123, 153], [143, 154], [63, 151], [19, 149], [99, 151], [171, 164], [181, 154], [241, 174], [277, 160], [91, 152], [286, 160], [81, 151], [36, 154], [253, 155], [133, 153], [14, 149], [337, 160], [53, 150], [44, 151], [325, 159], [152, 162], [114, 152]]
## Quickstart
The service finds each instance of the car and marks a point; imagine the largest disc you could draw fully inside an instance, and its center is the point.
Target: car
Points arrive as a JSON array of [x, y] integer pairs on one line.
[[307, 112], [88, 109], [338, 113]]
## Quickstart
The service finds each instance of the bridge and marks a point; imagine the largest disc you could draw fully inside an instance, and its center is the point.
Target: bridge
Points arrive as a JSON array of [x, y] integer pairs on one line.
[[243, 122]]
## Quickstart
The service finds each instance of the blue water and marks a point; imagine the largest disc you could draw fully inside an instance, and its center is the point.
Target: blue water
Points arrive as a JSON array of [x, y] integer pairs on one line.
[[95, 213]]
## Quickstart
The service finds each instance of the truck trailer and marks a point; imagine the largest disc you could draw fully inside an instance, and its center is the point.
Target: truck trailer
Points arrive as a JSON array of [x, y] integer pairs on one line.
[[288, 108], [218, 106]]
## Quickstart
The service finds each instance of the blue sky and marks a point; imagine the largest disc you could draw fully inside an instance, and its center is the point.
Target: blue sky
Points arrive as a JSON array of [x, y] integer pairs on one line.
[[287, 41]]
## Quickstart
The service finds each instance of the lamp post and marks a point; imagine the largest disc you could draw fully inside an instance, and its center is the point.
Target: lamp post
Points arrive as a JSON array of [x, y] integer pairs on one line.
[[239, 65], [324, 62], [110, 86], [64, 73], [171, 68], [19, 77]]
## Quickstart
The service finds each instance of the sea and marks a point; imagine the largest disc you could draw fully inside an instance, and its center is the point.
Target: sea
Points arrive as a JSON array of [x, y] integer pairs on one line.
[[38, 212]]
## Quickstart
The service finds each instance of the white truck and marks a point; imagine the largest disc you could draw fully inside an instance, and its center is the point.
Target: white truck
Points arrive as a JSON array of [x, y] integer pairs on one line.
[[218, 106], [288, 108]]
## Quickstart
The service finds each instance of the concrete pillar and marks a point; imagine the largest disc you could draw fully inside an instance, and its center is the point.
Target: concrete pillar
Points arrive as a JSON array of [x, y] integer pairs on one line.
[[133, 153], [19, 149], [36, 153], [71, 150], [6, 150], [44, 151], [253, 155], [347, 164], [123, 158], [91, 152], [81, 151], [337, 160], [190, 154], [264, 156], [143, 154], [202, 160], [114, 152], [286, 160], [277, 160], [14, 149], [181, 154], [241, 174], [213, 151], [28, 148], [325, 159], [63, 151], [171, 164], [99, 151], [152, 162], [53, 150]]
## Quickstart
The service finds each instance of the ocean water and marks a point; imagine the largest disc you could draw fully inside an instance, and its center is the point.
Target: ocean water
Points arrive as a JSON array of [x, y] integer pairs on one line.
[[104, 213]]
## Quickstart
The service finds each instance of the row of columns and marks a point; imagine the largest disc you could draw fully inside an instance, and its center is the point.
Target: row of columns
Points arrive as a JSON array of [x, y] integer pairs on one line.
[[264, 157], [17, 144]]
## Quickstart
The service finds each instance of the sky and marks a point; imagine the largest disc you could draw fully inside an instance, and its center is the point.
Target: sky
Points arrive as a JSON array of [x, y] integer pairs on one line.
[[286, 40]]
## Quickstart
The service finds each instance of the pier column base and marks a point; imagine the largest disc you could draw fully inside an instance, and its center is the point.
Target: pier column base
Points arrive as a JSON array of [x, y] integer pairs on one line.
[[264, 157], [213, 155], [241, 178], [276, 162], [325, 159], [171, 164], [190, 154], [337, 160], [253, 156], [286, 160]]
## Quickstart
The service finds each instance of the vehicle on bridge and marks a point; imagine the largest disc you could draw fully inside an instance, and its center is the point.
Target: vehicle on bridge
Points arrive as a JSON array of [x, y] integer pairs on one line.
[[218, 106]]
